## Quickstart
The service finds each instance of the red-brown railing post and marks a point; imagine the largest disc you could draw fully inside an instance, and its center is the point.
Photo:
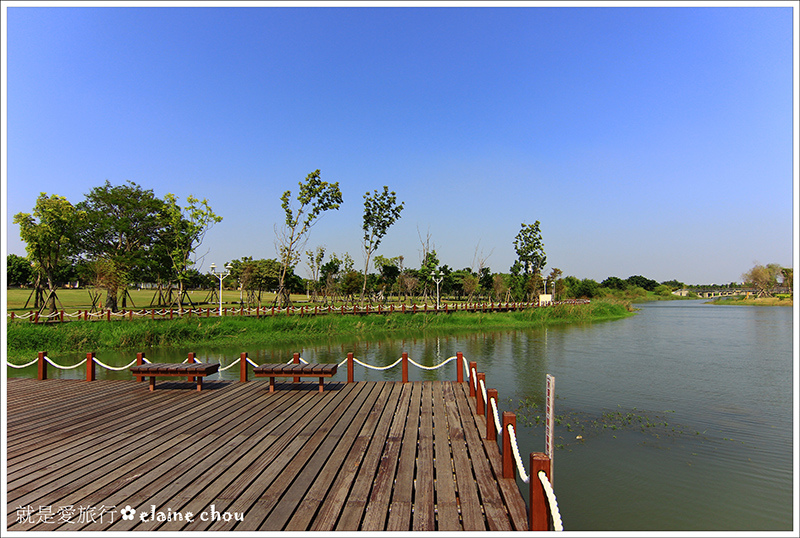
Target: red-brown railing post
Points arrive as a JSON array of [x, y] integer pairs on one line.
[[243, 367], [405, 366], [508, 457], [90, 366], [350, 365], [190, 360], [460, 367], [61, 316], [480, 405], [139, 362], [472, 368], [35, 317], [538, 513], [108, 315], [491, 429], [42, 366], [295, 360]]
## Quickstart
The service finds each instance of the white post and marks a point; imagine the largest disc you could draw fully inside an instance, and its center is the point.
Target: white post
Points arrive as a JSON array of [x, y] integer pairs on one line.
[[221, 277], [550, 420]]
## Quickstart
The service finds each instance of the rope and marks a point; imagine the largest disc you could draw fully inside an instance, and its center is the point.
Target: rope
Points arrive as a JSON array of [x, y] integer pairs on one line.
[[251, 362], [365, 365], [551, 500], [474, 378], [342, 363], [117, 369], [34, 361], [231, 364], [496, 415], [65, 367], [483, 391], [466, 369], [434, 367], [515, 449]]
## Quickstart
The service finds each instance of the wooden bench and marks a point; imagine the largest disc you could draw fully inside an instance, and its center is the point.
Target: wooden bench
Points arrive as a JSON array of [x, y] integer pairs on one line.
[[195, 371], [295, 370]]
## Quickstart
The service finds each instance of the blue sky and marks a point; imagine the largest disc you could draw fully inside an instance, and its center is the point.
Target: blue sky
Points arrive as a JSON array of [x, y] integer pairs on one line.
[[646, 140]]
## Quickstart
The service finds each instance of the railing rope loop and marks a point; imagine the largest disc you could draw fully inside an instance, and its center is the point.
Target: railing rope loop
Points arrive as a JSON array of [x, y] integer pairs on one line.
[[34, 361], [551, 501], [515, 450], [65, 367], [115, 368]]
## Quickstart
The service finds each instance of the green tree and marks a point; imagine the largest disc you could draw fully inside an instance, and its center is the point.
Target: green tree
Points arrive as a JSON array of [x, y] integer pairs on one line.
[[50, 233], [764, 279], [642, 282], [381, 210], [123, 223], [18, 270], [663, 290], [614, 283], [183, 234], [530, 248], [314, 197]]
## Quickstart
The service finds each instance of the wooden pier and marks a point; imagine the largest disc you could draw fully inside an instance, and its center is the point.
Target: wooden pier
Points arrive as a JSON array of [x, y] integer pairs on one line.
[[372, 456]]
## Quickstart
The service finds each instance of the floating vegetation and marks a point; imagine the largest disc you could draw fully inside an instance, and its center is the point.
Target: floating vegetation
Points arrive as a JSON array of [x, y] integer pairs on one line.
[[574, 427]]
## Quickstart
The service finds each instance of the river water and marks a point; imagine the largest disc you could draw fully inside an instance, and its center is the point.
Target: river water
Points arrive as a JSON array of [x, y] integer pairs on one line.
[[684, 411]]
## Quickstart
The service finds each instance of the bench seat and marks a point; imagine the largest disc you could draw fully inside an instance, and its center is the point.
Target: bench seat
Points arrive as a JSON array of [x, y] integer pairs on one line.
[[192, 370], [295, 370]]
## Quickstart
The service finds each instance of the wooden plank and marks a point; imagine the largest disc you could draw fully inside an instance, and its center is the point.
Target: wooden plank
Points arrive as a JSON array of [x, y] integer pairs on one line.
[[402, 494], [378, 504], [306, 511], [314, 455], [493, 508], [447, 517], [353, 512], [338, 495], [469, 502], [424, 496], [513, 501]]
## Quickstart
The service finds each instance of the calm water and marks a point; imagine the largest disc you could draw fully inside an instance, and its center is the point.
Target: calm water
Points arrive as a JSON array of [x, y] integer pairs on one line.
[[715, 383]]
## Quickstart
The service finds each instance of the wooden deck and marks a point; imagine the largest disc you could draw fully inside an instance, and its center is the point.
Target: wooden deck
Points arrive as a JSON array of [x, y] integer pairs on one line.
[[375, 456]]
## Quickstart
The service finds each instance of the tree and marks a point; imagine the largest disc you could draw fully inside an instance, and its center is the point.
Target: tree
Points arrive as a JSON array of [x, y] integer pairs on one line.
[[764, 279], [642, 282], [18, 270], [314, 197], [184, 232], [614, 283], [50, 233], [530, 249], [315, 258], [381, 210], [123, 223]]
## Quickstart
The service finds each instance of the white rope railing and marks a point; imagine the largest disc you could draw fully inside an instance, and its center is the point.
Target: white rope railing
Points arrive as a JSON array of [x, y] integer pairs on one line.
[[435, 366], [231, 365], [369, 366], [65, 367], [474, 379], [34, 361], [515, 450], [551, 501], [115, 368], [483, 391], [496, 415]]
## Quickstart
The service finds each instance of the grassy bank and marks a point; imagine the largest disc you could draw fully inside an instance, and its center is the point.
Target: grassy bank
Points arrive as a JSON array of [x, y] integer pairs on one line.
[[764, 301], [26, 339]]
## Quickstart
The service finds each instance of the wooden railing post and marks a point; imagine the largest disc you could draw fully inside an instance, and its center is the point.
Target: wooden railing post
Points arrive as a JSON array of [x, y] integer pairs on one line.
[[190, 360], [295, 359], [42, 366], [139, 362], [405, 367], [90, 366], [350, 365], [243, 368], [508, 456], [472, 368], [460, 367], [491, 429], [480, 405], [538, 512]]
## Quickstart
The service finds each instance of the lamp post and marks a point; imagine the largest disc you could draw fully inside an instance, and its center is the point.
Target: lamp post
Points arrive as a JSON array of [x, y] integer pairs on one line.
[[438, 281], [220, 276]]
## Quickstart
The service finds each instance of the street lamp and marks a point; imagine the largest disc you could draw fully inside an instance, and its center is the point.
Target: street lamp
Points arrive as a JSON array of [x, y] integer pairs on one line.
[[438, 281], [220, 276]]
